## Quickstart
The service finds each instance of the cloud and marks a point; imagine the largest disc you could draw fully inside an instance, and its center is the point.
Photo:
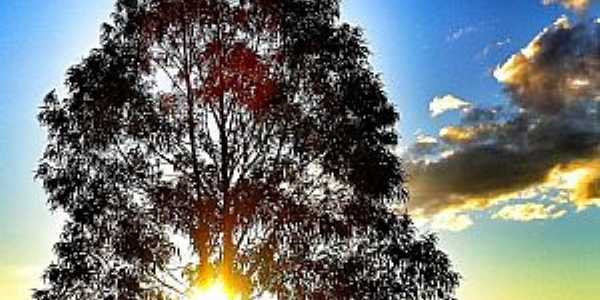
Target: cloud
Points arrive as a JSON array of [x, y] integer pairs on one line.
[[465, 134], [527, 155], [440, 105], [580, 180], [424, 145], [579, 6], [451, 222], [456, 35], [559, 67], [529, 212], [494, 46], [447, 221], [478, 115], [455, 134], [424, 139]]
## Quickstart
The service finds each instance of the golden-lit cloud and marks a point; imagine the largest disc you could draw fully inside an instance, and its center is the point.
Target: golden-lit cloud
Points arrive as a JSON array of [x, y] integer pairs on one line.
[[576, 5], [440, 105], [456, 134], [558, 68], [469, 181], [581, 181], [529, 212], [526, 157], [519, 62], [464, 134]]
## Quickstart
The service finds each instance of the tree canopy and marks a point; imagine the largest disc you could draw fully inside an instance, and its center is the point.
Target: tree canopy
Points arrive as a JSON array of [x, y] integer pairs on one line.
[[254, 131]]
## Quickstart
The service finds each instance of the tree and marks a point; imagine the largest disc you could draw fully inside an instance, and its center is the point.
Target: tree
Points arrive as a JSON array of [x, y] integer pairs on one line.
[[254, 129]]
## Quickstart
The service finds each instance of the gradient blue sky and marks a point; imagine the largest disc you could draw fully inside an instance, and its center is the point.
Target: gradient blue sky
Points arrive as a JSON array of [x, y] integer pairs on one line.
[[39, 40], [414, 49]]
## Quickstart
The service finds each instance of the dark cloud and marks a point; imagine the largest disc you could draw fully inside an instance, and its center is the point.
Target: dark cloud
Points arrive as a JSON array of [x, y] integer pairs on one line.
[[518, 155], [476, 115], [424, 144], [561, 66]]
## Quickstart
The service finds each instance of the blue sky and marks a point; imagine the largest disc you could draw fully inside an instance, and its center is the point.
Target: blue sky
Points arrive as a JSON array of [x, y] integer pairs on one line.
[[39, 40], [422, 49]]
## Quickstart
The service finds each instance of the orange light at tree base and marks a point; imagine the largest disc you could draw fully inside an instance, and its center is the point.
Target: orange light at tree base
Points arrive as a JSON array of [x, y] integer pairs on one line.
[[213, 290]]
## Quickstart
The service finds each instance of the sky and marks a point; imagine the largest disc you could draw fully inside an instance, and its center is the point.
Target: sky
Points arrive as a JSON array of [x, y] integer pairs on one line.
[[498, 122]]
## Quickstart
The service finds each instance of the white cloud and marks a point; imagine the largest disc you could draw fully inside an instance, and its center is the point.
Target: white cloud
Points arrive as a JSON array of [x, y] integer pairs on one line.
[[496, 45], [425, 139], [440, 105], [529, 212], [451, 221], [456, 35]]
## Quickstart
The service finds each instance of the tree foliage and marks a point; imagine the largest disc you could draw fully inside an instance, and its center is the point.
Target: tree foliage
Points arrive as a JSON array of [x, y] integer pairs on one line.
[[254, 129]]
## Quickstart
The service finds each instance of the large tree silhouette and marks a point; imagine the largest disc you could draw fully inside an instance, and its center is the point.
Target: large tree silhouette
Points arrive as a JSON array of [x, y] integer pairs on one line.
[[254, 129]]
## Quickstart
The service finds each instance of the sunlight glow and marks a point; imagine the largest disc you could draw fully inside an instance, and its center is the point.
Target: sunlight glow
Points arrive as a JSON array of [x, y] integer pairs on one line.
[[571, 179], [216, 290], [581, 179]]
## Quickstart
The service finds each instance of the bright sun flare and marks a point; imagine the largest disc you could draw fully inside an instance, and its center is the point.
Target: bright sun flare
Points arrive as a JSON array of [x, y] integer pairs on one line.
[[214, 291]]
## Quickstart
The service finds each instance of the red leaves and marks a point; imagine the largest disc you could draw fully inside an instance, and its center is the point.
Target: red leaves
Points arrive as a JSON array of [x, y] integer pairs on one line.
[[240, 17], [240, 73], [224, 65]]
